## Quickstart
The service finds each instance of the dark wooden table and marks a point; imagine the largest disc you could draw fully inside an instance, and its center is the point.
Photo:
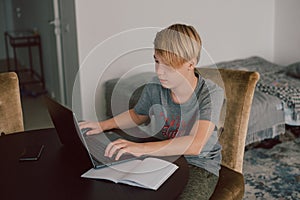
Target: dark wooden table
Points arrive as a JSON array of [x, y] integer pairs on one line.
[[56, 175]]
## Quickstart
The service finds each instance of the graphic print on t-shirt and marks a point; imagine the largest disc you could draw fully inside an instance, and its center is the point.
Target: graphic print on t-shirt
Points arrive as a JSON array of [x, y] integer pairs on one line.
[[173, 127]]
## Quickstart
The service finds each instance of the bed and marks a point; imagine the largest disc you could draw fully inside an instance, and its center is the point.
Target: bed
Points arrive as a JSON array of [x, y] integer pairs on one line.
[[276, 101]]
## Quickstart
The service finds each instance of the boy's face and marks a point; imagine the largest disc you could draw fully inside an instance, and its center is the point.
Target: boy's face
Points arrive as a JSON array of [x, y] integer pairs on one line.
[[169, 76]]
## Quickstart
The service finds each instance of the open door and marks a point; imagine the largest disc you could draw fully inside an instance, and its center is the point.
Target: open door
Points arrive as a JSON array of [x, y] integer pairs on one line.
[[70, 60], [34, 16], [66, 41]]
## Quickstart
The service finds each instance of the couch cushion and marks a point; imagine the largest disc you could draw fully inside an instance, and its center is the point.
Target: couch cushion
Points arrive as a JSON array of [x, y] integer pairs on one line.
[[123, 94]]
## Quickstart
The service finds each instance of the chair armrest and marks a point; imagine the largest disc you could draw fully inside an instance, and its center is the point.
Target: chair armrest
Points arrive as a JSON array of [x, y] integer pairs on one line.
[[230, 186]]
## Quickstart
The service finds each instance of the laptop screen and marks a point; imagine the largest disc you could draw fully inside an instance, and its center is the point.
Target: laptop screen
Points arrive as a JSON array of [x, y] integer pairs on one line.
[[67, 128]]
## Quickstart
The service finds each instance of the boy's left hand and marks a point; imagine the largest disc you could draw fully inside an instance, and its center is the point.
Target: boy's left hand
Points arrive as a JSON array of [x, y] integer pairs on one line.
[[121, 146]]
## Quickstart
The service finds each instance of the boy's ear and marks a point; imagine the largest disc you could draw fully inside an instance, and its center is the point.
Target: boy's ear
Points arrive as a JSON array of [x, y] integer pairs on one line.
[[192, 63]]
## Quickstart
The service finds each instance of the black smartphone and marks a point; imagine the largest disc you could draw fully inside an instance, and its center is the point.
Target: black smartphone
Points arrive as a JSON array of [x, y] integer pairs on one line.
[[31, 153]]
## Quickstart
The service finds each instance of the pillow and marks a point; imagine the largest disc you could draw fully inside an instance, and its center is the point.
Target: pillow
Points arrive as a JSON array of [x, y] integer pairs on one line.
[[293, 70]]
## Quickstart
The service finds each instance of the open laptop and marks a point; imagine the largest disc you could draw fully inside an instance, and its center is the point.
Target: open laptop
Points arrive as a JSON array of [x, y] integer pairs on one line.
[[70, 135]]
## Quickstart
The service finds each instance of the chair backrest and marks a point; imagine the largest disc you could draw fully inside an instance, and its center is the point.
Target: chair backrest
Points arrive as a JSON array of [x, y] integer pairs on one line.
[[239, 89], [11, 116]]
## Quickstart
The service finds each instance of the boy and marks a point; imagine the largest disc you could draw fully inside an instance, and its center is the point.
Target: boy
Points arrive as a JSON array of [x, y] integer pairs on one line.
[[186, 109]]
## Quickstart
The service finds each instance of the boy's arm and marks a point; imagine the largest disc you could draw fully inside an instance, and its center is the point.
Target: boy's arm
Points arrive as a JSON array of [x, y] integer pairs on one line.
[[124, 120], [191, 144]]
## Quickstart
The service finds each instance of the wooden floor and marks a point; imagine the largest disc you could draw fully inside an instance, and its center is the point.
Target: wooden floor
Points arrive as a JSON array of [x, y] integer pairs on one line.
[[35, 113]]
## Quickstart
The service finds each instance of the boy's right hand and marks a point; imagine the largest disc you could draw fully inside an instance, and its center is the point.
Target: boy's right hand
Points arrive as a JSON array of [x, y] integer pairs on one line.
[[94, 126]]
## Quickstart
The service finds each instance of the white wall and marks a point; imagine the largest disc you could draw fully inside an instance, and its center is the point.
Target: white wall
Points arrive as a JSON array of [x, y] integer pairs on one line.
[[229, 29], [287, 32]]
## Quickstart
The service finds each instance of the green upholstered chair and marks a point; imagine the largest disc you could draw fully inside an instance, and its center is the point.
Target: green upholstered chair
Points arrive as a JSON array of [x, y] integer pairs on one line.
[[239, 89], [11, 115]]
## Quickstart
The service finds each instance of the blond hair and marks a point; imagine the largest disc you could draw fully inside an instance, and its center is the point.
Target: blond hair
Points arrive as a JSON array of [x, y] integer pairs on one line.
[[178, 44]]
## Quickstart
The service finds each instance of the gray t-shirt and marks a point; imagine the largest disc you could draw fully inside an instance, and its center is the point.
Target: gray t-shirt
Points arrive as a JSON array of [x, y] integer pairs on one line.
[[170, 120]]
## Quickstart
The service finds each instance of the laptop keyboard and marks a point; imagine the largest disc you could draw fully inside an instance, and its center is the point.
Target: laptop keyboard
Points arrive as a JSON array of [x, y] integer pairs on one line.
[[97, 144]]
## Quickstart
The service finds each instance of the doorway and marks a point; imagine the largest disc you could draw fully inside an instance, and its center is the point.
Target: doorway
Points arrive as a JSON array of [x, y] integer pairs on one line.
[[59, 39]]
